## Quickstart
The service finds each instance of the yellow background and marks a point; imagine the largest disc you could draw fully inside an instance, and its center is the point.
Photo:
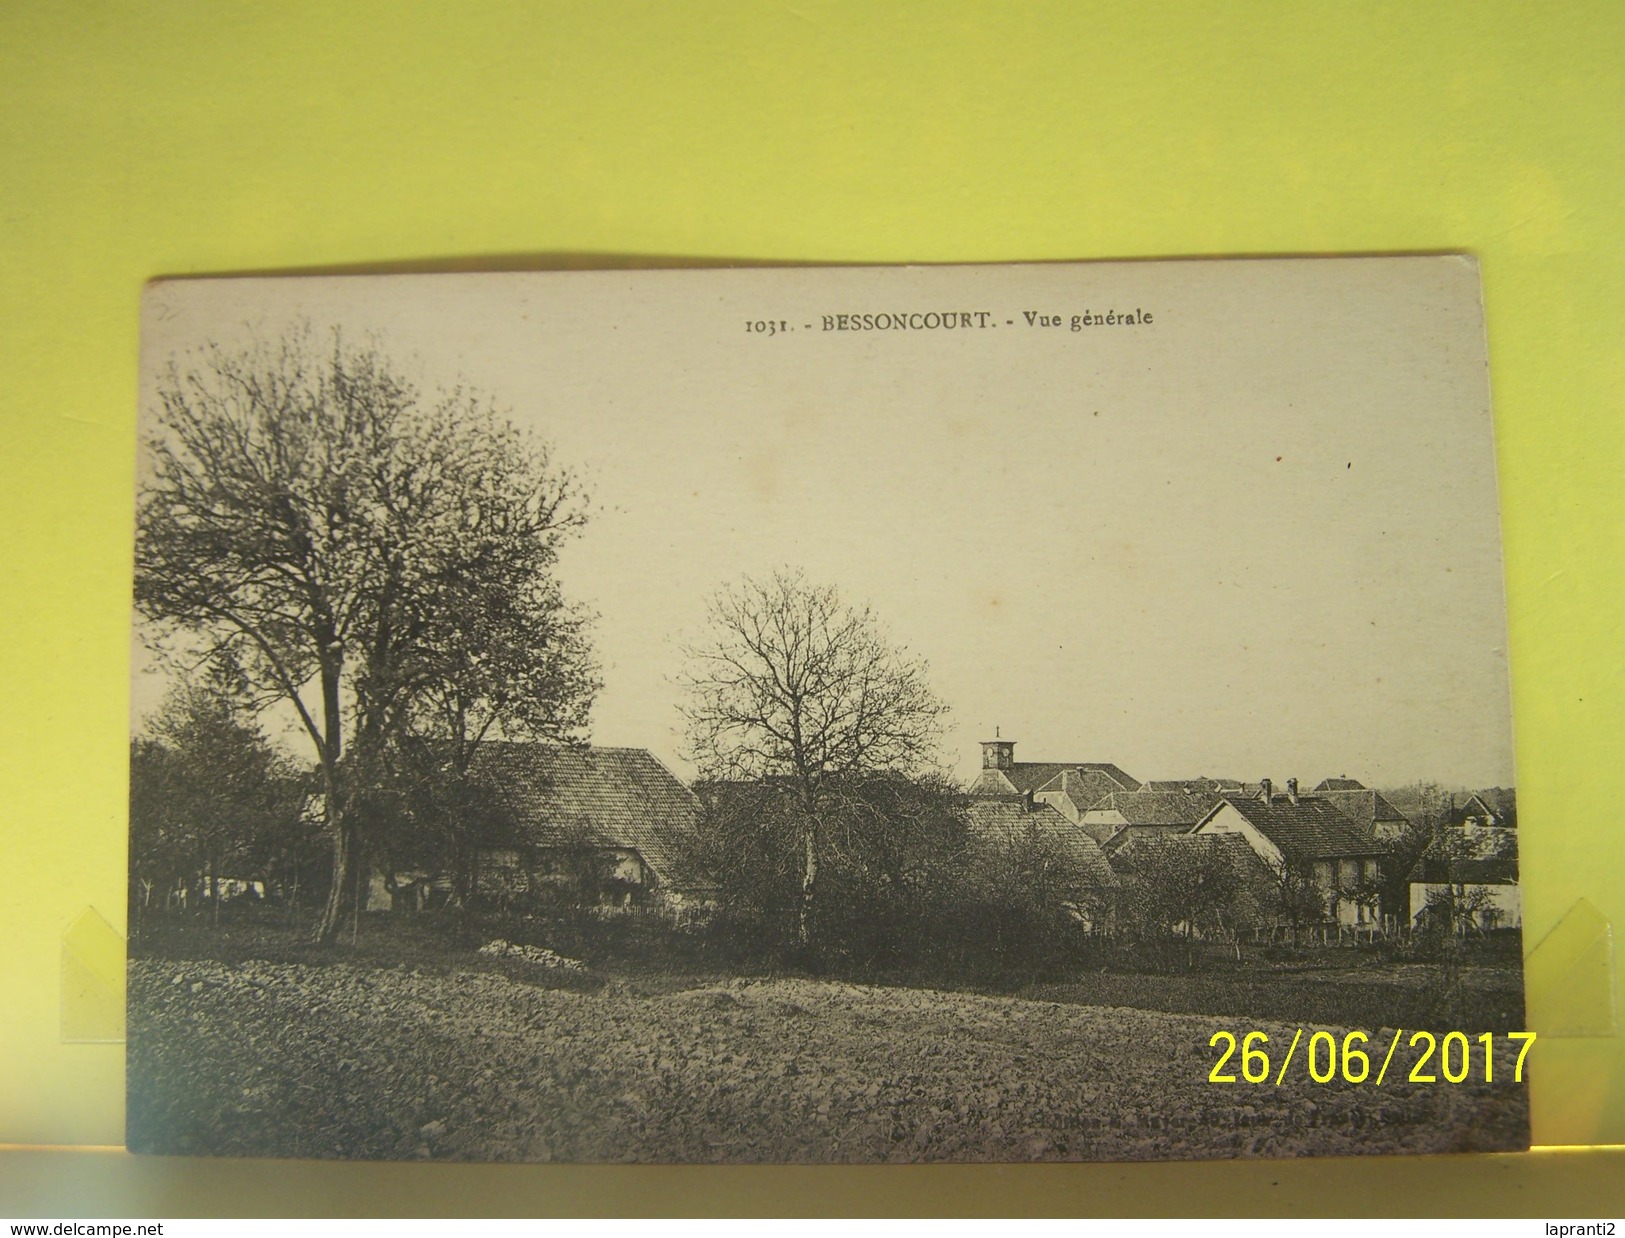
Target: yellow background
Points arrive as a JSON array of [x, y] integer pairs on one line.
[[172, 139]]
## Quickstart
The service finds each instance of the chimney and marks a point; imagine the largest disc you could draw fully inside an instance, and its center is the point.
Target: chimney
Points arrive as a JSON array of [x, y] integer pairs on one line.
[[1292, 790], [1264, 789], [1026, 801]]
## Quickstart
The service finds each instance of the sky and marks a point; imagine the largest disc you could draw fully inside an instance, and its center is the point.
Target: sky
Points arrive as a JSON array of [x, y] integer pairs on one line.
[[1254, 536]]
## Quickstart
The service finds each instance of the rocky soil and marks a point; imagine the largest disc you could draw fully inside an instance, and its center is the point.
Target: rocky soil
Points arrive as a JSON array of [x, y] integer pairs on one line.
[[289, 1059]]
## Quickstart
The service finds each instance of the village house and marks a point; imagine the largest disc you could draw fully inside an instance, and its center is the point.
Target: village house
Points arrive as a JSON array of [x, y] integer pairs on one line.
[[1303, 833], [1482, 893], [1472, 867], [1144, 859], [611, 825], [1488, 822], [1137, 813], [1368, 809], [1005, 825], [1069, 787]]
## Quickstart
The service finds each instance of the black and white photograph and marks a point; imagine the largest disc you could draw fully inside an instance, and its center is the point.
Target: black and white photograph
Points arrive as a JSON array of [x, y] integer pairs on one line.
[[1012, 713]]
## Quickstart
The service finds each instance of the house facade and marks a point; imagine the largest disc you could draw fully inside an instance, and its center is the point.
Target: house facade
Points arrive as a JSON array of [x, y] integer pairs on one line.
[[1479, 893], [607, 825], [1488, 823], [1471, 871], [1300, 834]]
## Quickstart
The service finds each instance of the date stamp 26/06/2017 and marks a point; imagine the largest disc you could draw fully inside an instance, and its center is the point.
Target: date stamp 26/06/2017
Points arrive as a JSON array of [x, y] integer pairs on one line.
[[1454, 1057]]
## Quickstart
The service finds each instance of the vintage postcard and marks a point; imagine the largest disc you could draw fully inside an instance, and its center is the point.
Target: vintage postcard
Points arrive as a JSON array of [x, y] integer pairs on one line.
[[985, 713]]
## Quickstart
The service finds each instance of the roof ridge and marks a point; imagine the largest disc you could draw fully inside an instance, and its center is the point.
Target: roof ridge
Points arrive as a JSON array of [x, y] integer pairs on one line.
[[563, 746]]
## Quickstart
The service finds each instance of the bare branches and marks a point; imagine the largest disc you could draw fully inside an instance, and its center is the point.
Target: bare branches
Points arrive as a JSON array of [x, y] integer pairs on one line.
[[793, 687], [792, 683]]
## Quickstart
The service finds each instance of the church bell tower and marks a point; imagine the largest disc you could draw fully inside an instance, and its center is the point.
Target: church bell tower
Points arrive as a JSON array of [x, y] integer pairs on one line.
[[998, 753]]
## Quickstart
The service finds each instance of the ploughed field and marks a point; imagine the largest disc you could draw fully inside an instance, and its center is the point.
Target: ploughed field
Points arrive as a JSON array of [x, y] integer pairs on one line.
[[290, 1059]]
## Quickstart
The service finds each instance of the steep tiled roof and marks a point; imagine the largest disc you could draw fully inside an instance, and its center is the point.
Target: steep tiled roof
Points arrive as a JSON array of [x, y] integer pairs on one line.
[[1193, 786], [1311, 829], [1084, 787], [1339, 784], [1126, 781], [611, 797], [1080, 779], [993, 782], [1007, 822], [1156, 807], [1030, 775], [1100, 831], [1128, 835], [1367, 808], [1232, 847], [1503, 802], [1036, 775]]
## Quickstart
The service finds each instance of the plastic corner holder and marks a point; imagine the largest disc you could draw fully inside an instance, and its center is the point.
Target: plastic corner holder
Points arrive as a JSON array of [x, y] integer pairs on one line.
[[1569, 977], [92, 981]]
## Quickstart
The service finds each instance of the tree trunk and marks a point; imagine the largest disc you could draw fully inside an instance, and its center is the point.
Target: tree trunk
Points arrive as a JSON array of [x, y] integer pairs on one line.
[[358, 863], [338, 825], [327, 923], [809, 877]]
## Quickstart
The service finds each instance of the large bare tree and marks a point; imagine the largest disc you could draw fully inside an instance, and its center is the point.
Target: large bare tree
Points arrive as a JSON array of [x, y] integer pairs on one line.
[[369, 554], [792, 687]]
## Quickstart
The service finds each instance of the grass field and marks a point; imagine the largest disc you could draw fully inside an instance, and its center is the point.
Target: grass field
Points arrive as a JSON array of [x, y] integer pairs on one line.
[[1334, 986], [1485, 998], [505, 1060]]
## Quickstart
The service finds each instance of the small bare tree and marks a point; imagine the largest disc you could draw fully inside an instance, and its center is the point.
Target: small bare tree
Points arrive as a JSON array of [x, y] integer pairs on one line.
[[792, 686], [1300, 898], [1186, 886], [1456, 904], [1365, 891]]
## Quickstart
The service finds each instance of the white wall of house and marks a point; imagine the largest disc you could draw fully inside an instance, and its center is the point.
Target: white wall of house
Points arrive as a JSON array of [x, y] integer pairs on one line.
[[544, 866], [1489, 841], [1228, 821], [1102, 822], [1505, 901], [1062, 803], [629, 866]]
